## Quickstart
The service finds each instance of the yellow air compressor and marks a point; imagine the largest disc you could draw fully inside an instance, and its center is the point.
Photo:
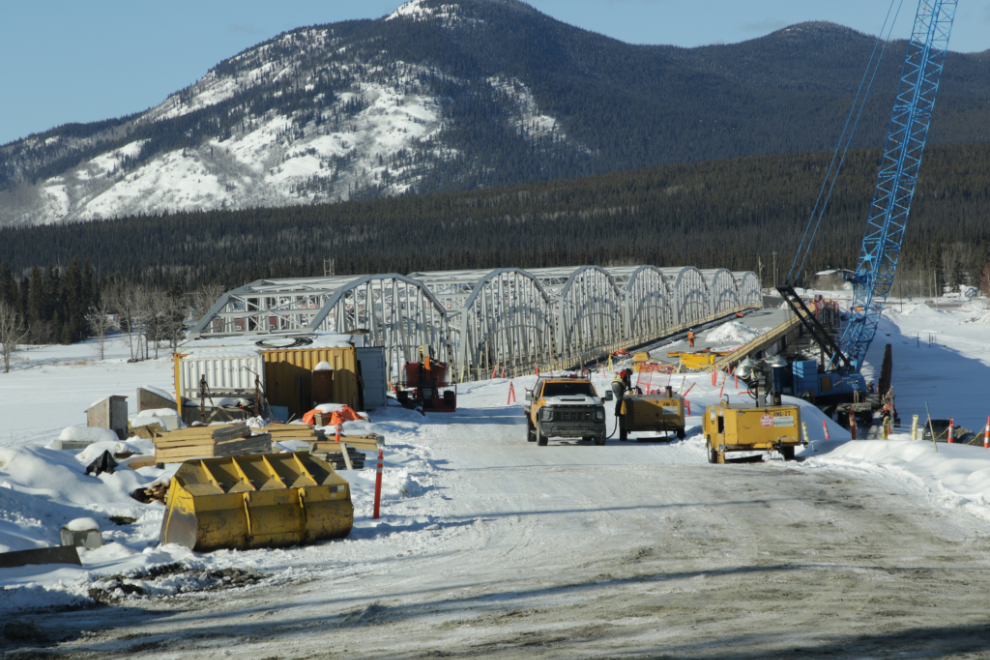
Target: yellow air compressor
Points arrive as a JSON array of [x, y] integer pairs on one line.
[[663, 413], [256, 501], [737, 427]]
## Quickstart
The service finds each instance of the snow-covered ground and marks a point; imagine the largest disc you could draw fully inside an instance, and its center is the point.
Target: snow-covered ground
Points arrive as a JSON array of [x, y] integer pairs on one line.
[[469, 505]]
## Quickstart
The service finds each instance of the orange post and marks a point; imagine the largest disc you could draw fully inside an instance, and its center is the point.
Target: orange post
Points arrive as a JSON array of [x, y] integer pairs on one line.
[[512, 394], [852, 425], [986, 435], [952, 431], [825, 428], [378, 484]]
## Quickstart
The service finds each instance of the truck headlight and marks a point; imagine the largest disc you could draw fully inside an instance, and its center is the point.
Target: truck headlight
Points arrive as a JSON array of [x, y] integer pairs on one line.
[[600, 415], [546, 414]]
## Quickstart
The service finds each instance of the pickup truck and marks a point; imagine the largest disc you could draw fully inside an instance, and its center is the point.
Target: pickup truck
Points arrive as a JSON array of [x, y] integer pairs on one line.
[[565, 407]]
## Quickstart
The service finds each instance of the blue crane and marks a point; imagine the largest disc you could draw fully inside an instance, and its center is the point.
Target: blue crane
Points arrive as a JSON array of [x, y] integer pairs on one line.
[[894, 191]]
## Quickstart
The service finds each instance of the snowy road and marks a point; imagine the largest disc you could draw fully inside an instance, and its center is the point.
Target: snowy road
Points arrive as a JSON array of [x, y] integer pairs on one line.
[[629, 550]]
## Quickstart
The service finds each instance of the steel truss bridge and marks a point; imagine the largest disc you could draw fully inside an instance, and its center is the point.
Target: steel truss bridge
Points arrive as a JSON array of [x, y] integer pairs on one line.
[[481, 321]]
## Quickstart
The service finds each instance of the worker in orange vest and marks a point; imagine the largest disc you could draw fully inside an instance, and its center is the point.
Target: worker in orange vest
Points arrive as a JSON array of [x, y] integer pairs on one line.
[[691, 338]]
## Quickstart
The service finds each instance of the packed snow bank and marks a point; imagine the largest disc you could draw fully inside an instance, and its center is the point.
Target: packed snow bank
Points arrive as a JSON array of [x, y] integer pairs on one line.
[[955, 475], [731, 334], [86, 434]]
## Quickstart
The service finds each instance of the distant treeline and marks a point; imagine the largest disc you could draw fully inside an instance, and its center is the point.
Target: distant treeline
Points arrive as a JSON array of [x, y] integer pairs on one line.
[[743, 214]]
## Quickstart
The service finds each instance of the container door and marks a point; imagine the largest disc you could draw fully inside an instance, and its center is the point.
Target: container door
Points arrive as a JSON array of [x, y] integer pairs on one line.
[[373, 373]]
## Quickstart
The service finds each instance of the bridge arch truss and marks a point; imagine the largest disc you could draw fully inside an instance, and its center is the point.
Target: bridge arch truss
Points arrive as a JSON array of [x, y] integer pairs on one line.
[[481, 321], [749, 287], [648, 306], [689, 291], [588, 311], [723, 293], [393, 311], [499, 319]]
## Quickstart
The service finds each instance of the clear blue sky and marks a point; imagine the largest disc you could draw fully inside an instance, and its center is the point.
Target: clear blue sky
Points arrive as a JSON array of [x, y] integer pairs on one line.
[[73, 61]]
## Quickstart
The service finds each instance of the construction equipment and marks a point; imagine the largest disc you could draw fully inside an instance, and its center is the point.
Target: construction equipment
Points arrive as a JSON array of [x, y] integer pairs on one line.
[[565, 406], [426, 387], [663, 413], [739, 427], [257, 501], [906, 139]]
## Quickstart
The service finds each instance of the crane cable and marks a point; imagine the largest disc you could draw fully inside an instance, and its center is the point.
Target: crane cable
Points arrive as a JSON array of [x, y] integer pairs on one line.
[[832, 174]]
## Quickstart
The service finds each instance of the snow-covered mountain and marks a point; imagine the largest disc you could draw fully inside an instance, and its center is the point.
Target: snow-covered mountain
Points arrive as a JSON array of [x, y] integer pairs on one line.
[[320, 114], [440, 95]]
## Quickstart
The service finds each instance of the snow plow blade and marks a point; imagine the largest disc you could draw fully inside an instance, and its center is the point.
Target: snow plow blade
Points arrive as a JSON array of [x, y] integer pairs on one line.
[[256, 501]]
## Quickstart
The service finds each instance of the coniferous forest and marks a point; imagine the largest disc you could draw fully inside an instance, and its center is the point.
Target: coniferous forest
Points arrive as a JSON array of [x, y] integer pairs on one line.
[[742, 214]]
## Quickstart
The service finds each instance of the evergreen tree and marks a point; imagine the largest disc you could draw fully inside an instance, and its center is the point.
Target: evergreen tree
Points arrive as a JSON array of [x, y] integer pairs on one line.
[[74, 303], [8, 286]]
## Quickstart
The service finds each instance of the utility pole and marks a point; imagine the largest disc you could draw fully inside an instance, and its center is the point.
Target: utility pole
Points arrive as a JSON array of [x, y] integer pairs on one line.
[[775, 269]]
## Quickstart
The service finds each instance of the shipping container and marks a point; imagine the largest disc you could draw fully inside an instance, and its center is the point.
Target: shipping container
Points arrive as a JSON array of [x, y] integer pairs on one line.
[[289, 377], [227, 374]]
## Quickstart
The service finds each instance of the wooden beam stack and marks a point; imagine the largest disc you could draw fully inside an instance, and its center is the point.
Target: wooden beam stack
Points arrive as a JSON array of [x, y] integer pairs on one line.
[[283, 432], [361, 442], [210, 442]]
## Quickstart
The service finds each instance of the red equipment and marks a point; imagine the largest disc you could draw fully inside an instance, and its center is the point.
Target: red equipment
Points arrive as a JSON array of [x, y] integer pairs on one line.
[[426, 387]]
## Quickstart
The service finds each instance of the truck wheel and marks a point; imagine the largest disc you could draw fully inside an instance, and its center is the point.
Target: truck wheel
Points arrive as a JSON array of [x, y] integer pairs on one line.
[[530, 432], [681, 433], [599, 441], [541, 440], [712, 454], [787, 453]]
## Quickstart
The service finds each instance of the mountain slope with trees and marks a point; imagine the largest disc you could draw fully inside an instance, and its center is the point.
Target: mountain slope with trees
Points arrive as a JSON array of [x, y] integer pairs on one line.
[[743, 214]]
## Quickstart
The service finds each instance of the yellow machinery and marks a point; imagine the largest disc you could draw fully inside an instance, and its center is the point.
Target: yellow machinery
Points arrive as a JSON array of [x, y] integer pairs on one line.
[[652, 412], [698, 361], [256, 501], [731, 428]]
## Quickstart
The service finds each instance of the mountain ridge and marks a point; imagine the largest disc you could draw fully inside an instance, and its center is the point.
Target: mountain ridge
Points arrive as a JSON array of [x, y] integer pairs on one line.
[[448, 95]]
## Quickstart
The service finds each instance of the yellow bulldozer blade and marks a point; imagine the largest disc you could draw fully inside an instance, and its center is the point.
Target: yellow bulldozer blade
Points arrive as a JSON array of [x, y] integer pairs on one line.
[[256, 501]]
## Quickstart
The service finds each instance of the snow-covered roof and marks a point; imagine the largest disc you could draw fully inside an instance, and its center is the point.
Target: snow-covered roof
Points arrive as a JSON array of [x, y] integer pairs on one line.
[[251, 346]]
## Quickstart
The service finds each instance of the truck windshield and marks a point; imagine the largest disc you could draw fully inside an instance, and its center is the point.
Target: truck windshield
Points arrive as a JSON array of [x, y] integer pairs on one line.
[[568, 389]]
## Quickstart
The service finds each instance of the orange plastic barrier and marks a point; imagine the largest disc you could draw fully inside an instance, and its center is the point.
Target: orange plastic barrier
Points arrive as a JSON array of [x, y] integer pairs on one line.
[[345, 414]]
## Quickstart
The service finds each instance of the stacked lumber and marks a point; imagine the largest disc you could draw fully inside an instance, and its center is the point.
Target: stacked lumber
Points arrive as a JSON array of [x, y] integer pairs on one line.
[[283, 432], [354, 460], [148, 431], [362, 442], [210, 442]]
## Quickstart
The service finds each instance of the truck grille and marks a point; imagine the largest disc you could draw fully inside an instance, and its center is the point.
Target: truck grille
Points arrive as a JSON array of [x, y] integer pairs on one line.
[[573, 415]]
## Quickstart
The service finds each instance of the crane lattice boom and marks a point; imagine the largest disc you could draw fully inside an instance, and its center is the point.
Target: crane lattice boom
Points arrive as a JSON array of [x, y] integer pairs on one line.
[[898, 174]]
